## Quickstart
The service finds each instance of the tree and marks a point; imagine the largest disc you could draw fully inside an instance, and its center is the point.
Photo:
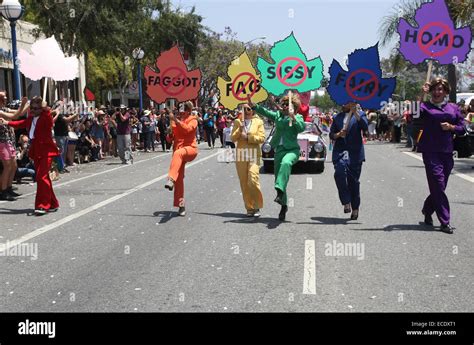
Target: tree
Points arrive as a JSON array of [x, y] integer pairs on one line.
[[324, 102], [460, 11], [111, 29]]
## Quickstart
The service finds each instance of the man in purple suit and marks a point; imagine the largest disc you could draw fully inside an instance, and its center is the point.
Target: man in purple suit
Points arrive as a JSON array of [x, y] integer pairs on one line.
[[441, 120]]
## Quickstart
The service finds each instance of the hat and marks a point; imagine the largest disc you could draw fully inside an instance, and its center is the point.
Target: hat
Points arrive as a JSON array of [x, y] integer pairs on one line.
[[100, 112], [122, 106], [147, 112]]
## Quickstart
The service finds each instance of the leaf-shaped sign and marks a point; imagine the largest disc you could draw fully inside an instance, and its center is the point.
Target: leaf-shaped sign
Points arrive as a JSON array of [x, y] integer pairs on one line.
[[244, 82], [291, 69], [435, 37], [172, 80], [363, 82]]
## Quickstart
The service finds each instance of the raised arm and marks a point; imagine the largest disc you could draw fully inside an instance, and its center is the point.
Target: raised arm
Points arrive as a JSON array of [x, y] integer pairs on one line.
[[272, 115]]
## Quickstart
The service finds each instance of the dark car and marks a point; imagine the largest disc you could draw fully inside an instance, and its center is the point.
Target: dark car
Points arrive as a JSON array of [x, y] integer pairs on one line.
[[313, 149]]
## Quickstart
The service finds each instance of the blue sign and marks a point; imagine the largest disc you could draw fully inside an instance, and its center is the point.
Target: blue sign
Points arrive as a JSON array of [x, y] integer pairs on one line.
[[363, 82]]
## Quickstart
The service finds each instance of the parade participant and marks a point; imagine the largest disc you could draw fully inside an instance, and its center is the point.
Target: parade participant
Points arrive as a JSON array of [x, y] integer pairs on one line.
[[185, 150], [249, 134], [348, 155], [39, 124], [441, 120], [285, 143], [7, 149]]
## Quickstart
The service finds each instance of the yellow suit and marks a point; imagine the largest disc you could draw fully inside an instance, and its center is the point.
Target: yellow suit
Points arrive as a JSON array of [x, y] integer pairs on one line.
[[247, 161]]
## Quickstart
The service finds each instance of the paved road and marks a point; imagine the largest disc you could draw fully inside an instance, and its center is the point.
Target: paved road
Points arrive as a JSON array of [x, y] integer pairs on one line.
[[117, 245]]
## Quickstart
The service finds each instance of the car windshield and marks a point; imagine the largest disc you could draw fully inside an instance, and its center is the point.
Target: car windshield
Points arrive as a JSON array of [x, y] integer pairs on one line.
[[309, 127]]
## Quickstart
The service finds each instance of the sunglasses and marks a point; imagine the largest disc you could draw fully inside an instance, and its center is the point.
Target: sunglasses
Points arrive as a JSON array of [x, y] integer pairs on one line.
[[285, 104], [247, 109]]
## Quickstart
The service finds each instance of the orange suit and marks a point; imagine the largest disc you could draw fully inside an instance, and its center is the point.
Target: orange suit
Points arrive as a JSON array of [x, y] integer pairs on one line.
[[185, 149]]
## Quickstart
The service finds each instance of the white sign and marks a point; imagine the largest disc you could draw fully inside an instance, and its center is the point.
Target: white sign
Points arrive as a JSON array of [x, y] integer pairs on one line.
[[133, 88]]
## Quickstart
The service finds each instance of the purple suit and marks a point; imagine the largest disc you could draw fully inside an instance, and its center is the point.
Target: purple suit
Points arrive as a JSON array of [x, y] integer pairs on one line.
[[436, 146]]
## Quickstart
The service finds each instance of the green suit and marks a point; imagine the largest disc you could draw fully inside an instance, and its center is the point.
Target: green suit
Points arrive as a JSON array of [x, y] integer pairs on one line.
[[285, 144]]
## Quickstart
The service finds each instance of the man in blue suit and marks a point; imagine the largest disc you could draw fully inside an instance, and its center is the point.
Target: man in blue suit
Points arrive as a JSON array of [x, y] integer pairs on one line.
[[348, 155]]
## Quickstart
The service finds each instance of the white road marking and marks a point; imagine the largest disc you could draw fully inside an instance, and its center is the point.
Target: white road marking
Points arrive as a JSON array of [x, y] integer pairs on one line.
[[463, 176], [309, 278], [92, 175], [90, 209]]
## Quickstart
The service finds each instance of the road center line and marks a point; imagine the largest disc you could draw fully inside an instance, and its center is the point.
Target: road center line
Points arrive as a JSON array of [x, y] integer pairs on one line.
[[463, 176], [90, 209], [309, 278]]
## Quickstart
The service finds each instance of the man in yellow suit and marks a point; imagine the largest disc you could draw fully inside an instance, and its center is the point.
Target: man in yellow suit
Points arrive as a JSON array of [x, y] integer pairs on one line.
[[248, 132]]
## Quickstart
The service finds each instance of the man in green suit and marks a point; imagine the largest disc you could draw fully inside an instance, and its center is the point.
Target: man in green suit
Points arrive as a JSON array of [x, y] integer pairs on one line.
[[285, 143]]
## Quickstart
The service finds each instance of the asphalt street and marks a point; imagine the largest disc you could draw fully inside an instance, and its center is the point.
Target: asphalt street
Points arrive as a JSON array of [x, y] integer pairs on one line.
[[117, 245]]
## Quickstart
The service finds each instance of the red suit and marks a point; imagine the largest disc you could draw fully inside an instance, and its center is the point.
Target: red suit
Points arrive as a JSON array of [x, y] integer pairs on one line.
[[304, 111], [42, 151]]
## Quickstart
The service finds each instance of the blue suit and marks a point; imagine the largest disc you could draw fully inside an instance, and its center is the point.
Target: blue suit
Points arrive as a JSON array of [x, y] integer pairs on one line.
[[347, 157]]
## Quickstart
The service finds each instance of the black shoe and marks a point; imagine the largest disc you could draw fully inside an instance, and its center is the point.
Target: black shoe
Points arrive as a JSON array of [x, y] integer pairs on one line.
[[182, 212], [355, 214], [10, 191], [5, 196], [279, 197], [447, 228], [53, 210], [428, 219], [283, 211], [347, 208]]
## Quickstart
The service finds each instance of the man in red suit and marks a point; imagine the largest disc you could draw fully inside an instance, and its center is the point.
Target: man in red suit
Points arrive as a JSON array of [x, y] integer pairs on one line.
[[39, 125]]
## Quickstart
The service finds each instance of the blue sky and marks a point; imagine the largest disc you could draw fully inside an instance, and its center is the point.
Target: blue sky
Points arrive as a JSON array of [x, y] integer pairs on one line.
[[326, 28]]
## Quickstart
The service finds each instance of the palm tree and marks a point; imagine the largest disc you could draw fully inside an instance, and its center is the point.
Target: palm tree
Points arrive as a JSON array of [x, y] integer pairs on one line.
[[461, 12]]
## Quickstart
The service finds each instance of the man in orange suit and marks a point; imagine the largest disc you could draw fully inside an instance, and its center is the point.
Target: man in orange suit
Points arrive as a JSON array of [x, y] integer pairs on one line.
[[185, 150], [39, 125]]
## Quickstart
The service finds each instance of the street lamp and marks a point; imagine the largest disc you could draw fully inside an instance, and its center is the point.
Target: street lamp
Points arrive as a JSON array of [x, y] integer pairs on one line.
[[138, 55], [12, 10]]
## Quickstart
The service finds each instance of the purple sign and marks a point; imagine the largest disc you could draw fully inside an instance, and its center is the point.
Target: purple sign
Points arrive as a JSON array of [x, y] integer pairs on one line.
[[435, 37]]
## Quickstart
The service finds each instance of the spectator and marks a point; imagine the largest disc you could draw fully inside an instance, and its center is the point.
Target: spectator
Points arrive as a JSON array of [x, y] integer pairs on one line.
[[61, 135], [134, 125], [209, 126], [221, 124], [25, 165], [147, 130], [97, 132], [123, 135], [7, 149], [372, 119], [163, 125]]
